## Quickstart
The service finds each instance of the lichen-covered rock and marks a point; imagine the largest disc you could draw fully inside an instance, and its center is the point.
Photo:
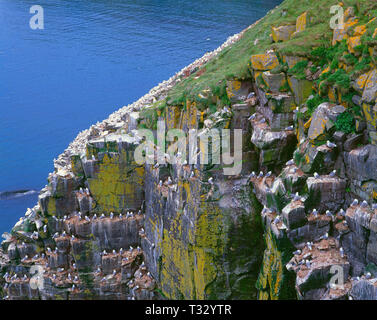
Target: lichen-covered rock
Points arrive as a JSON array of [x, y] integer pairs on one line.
[[238, 90], [264, 62], [370, 89], [301, 89], [282, 33]]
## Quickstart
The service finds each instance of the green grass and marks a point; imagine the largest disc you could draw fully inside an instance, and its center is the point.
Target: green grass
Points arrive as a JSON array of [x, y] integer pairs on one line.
[[233, 62]]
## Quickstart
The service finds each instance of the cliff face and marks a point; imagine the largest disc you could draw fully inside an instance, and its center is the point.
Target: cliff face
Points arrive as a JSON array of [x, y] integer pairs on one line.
[[302, 209]]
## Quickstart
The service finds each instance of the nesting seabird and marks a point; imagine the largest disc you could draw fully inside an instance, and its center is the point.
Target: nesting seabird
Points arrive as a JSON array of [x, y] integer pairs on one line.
[[296, 197], [330, 145], [252, 117], [332, 174], [290, 162], [364, 204]]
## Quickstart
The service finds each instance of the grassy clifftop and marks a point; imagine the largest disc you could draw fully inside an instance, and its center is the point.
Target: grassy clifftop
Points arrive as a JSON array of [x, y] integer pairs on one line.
[[313, 42]]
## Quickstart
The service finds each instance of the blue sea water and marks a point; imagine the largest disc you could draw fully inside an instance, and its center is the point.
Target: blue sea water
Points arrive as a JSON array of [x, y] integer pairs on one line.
[[93, 57]]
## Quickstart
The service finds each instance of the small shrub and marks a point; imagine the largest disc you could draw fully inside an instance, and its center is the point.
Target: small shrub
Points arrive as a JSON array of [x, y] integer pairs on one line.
[[345, 122]]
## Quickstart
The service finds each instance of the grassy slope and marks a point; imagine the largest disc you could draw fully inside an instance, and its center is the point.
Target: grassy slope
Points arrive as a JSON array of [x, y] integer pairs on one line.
[[233, 61]]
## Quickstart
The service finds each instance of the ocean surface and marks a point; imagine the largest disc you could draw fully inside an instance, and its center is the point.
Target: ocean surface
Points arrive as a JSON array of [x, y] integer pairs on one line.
[[93, 57]]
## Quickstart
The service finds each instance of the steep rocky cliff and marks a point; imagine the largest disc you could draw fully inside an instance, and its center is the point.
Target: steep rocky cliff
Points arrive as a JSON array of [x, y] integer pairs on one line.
[[301, 211]]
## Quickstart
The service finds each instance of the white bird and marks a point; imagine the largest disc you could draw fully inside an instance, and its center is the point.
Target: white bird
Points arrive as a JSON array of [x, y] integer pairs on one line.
[[293, 170], [355, 203], [290, 162], [364, 204], [330, 145], [277, 220], [296, 197], [332, 174]]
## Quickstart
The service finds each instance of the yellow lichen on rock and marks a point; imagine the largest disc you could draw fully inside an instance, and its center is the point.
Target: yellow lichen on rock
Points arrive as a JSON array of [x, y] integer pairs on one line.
[[264, 62], [282, 33], [353, 42]]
